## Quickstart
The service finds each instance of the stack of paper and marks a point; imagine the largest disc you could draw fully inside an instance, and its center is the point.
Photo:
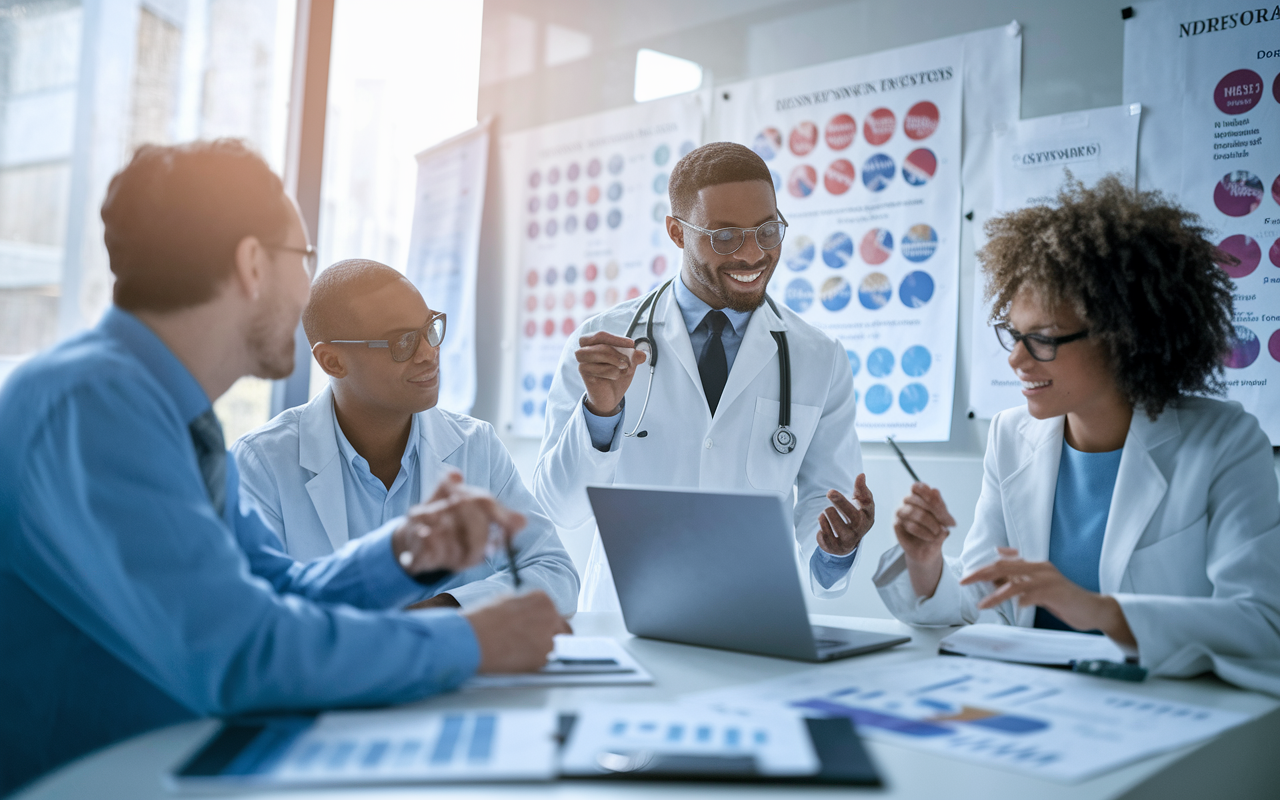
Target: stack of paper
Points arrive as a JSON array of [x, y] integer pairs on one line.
[[629, 737], [576, 661], [1029, 645]]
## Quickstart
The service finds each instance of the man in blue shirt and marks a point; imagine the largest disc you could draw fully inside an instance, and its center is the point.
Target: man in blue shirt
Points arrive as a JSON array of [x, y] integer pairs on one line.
[[138, 590]]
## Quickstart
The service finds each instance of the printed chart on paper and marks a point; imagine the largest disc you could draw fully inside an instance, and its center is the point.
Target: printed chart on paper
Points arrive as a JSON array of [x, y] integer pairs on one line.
[[865, 156], [586, 204]]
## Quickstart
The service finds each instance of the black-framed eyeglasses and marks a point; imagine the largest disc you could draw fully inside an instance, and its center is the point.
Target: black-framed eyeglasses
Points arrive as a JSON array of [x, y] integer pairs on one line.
[[310, 258], [406, 344], [727, 241], [1041, 348]]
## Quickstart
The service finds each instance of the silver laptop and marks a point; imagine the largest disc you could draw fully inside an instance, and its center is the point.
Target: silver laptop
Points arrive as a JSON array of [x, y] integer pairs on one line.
[[717, 570]]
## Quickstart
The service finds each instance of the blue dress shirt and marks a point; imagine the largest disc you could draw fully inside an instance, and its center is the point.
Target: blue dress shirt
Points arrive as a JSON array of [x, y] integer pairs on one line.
[[129, 603], [1081, 505], [370, 504], [826, 568]]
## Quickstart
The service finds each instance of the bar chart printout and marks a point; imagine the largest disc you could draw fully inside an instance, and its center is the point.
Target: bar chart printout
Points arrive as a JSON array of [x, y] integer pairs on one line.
[[1057, 725], [401, 746]]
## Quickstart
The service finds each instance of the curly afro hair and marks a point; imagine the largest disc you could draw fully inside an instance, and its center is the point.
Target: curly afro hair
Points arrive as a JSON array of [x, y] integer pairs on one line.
[[1137, 268], [711, 165]]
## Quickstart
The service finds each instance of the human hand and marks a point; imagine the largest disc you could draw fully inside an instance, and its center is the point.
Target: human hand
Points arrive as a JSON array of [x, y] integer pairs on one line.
[[842, 524], [1039, 583], [606, 372], [921, 524], [516, 633], [451, 530]]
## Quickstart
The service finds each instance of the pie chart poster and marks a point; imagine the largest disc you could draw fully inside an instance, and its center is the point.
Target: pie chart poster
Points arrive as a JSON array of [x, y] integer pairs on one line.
[[585, 202], [865, 156], [1220, 155]]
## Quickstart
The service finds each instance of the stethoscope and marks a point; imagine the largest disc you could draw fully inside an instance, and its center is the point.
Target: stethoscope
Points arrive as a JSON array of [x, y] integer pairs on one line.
[[784, 441]]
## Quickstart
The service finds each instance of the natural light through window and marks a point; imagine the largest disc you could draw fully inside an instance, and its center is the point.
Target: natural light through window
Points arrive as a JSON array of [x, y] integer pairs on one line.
[[662, 75]]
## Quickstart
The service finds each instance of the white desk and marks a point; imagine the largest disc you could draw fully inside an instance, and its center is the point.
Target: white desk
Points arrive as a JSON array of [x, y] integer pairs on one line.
[[1244, 762]]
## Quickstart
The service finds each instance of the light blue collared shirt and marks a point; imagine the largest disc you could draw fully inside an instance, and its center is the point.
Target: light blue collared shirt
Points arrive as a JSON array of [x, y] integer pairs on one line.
[[370, 504], [827, 568], [130, 604]]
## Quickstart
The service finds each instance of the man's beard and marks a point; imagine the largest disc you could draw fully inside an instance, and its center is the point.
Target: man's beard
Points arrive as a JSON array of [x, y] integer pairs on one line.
[[271, 343], [710, 278]]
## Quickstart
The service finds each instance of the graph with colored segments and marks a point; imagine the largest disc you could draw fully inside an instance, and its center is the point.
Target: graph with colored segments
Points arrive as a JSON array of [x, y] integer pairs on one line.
[[1054, 724]]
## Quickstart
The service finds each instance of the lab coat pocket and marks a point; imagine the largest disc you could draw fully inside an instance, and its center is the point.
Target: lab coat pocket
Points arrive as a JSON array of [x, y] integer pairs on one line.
[[1173, 564], [767, 469]]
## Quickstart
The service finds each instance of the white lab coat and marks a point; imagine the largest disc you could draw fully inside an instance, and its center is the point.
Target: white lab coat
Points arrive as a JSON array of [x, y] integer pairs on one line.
[[292, 468], [687, 448], [1191, 549]]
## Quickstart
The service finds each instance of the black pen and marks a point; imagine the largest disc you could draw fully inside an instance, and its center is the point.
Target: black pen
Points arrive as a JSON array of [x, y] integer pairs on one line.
[[511, 559], [903, 459]]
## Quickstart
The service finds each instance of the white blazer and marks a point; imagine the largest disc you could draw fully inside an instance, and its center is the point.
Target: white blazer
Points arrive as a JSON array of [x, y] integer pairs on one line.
[[292, 468], [1191, 549], [686, 447]]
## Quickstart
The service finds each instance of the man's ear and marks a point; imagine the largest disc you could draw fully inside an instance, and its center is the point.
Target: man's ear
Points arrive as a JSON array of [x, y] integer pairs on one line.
[[676, 231], [326, 355], [251, 266]]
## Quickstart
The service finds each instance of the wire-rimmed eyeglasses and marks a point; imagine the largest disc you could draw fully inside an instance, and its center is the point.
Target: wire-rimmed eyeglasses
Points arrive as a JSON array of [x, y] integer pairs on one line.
[[1041, 348], [310, 257], [404, 346], [727, 241]]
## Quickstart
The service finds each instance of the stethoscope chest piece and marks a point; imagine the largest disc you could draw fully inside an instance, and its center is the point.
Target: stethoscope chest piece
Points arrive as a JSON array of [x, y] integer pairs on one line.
[[784, 441]]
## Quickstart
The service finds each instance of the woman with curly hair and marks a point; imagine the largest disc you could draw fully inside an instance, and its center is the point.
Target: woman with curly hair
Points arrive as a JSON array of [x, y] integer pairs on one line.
[[1120, 499]]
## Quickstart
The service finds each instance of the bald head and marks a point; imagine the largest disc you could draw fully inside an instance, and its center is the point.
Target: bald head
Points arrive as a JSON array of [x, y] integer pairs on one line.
[[329, 313]]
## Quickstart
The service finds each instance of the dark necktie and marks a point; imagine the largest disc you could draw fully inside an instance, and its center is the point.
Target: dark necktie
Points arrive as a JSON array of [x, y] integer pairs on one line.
[[713, 366], [211, 454]]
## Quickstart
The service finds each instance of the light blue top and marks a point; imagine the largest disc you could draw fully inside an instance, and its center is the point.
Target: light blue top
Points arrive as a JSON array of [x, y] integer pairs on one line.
[[129, 603], [1081, 505], [370, 504], [827, 569]]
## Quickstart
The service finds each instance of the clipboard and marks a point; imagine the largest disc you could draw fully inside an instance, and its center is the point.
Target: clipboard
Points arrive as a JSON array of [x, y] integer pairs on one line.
[[844, 762]]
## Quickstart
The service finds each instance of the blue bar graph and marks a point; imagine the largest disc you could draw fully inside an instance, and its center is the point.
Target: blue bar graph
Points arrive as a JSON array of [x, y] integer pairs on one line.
[[482, 738], [450, 731], [373, 756]]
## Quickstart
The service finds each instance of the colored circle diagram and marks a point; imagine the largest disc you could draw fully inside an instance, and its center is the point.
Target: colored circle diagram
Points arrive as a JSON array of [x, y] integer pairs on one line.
[[1238, 193], [879, 399], [767, 144], [918, 167], [1244, 350], [878, 126], [1273, 346], [836, 293], [798, 254], [837, 250], [880, 362], [803, 179], [913, 398], [875, 291], [918, 243], [921, 121], [916, 360], [1274, 253], [916, 289], [840, 131], [1245, 250], [803, 138], [876, 246], [799, 295], [877, 172], [839, 176], [1238, 91]]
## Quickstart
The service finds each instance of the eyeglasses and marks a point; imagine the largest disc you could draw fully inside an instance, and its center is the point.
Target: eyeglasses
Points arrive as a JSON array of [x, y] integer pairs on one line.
[[403, 347], [1041, 348], [309, 256], [726, 241]]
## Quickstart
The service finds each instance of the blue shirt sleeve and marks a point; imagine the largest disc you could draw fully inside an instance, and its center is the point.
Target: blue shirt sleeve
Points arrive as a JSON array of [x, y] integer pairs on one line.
[[602, 429], [828, 568], [116, 533]]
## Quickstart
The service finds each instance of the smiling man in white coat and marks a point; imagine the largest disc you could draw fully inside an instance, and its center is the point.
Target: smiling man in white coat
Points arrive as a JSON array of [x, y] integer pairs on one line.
[[372, 444], [716, 397]]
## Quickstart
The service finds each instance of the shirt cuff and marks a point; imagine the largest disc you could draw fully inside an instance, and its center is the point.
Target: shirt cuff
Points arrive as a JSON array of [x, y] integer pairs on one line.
[[386, 584], [828, 568], [603, 430], [457, 651]]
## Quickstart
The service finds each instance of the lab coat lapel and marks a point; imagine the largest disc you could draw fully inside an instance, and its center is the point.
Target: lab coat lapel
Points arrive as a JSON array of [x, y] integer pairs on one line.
[[758, 349], [438, 439], [1140, 488], [1028, 493], [674, 343], [318, 454]]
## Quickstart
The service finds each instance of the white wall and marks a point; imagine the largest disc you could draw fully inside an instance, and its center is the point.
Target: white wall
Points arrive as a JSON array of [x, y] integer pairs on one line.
[[1072, 59]]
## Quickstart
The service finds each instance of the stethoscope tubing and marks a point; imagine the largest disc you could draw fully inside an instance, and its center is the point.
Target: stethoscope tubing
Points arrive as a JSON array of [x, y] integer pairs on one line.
[[783, 440]]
